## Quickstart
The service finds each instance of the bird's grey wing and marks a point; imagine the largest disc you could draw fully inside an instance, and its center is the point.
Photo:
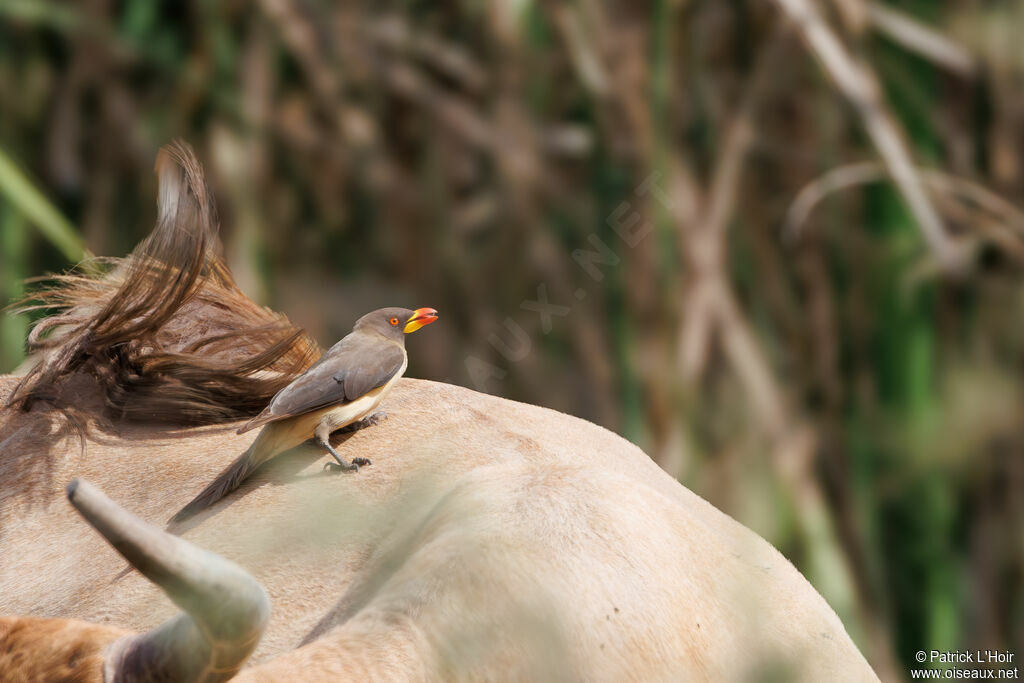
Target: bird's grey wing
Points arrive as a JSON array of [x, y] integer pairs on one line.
[[347, 372], [373, 369]]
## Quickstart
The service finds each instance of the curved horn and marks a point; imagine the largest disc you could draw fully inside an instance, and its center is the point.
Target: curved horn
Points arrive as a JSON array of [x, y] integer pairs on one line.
[[225, 609]]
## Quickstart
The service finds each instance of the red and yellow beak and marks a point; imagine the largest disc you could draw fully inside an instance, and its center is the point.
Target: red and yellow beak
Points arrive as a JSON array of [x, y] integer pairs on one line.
[[420, 317]]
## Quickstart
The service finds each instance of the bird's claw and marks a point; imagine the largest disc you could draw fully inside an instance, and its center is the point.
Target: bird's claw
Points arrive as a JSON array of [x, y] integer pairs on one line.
[[338, 468], [368, 421], [375, 419]]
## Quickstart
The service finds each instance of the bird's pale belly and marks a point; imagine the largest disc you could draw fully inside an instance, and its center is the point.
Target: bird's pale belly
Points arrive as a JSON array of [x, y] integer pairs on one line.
[[294, 431]]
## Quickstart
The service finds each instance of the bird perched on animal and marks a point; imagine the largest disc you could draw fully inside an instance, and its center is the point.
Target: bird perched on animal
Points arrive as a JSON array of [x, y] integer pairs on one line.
[[339, 390]]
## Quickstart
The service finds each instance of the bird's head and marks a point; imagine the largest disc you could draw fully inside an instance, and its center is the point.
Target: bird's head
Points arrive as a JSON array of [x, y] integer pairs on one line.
[[396, 322]]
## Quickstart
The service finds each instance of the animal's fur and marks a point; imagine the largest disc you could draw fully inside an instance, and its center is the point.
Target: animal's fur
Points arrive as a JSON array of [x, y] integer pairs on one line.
[[490, 540], [57, 650], [165, 333]]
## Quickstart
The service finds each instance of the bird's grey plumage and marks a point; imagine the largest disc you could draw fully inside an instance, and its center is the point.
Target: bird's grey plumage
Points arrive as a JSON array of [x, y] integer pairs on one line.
[[365, 359], [349, 369]]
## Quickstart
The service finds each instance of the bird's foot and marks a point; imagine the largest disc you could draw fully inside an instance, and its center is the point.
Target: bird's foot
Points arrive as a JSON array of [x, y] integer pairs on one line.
[[337, 468], [369, 421], [375, 419]]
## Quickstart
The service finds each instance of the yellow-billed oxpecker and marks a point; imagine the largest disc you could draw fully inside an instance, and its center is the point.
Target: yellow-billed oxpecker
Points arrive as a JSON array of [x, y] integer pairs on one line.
[[342, 389]]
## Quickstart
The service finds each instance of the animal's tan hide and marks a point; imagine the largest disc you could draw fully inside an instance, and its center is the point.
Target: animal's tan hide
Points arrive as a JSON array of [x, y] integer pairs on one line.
[[488, 540]]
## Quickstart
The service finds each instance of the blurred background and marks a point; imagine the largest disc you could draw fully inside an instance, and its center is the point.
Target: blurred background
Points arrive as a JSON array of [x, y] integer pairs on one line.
[[778, 244]]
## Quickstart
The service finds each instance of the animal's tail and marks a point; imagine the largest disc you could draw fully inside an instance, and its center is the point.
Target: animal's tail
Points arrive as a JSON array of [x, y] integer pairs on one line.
[[226, 482]]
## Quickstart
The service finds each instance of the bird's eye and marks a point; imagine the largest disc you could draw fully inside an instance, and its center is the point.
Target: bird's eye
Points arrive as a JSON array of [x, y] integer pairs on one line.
[[394, 321]]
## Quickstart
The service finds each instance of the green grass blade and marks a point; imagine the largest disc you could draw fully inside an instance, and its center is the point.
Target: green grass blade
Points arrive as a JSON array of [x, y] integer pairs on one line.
[[34, 205]]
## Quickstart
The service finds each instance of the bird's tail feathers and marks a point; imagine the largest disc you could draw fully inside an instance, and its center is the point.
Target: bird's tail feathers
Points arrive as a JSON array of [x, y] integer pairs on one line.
[[226, 482]]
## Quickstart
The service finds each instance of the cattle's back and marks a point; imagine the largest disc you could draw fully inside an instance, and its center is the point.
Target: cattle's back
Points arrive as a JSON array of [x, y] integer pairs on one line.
[[498, 530]]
